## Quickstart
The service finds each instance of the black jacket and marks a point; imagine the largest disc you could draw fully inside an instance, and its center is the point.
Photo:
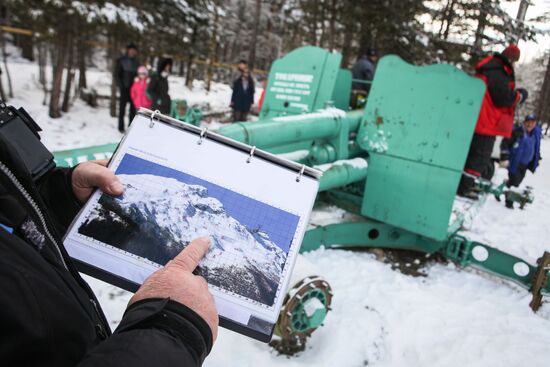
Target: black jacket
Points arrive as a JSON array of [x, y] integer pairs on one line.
[[126, 71], [499, 74], [242, 99], [49, 315], [157, 91]]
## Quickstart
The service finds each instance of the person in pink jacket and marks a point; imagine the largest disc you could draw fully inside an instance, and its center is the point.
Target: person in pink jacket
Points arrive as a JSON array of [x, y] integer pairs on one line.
[[139, 89]]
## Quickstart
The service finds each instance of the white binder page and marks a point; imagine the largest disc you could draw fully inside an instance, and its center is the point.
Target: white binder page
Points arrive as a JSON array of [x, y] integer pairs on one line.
[[176, 190]]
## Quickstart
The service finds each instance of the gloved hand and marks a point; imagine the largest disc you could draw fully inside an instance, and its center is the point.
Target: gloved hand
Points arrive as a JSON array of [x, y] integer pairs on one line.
[[504, 164], [524, 94]]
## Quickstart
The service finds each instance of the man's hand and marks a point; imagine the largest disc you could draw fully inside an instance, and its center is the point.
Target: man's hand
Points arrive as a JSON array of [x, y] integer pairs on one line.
[[177, 282], [94, 174]]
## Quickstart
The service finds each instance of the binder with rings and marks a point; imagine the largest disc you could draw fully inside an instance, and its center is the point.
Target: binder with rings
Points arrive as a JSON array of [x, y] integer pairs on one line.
[[203, 134], [182, 182]]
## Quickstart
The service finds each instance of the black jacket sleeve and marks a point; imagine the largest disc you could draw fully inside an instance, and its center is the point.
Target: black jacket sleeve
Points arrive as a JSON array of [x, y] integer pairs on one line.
[[154, 332], [500, 87], [118, 73], [507, 143], [56, 191], [152, 89]]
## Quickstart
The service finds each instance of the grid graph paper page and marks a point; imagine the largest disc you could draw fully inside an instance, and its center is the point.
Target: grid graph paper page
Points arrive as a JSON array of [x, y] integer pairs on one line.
[[177, 190]]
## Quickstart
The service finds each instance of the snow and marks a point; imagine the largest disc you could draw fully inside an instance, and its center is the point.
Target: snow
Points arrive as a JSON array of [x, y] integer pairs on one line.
[[358, 163], [330, 112], [380, 317], [524, 233], [168, 209], [296, 155], [85, 126]]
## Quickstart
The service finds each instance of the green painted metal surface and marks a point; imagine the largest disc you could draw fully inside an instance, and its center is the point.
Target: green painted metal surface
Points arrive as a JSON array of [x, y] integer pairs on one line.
[[342, 90], [302, 81], [181, 111], [343, 174], [283, 131], [71, 157], [303, 319], [417, 128], [366, 233], [470, 253]]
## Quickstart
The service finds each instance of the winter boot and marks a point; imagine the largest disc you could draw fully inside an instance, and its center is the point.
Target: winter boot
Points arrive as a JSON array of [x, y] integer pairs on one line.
[[509, 204], [472, 195]]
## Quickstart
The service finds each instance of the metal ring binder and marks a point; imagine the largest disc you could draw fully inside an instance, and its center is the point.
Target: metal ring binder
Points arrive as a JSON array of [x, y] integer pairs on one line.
[[152, 123], [202, 135], [307, 171], [251, 154], [301, 173]]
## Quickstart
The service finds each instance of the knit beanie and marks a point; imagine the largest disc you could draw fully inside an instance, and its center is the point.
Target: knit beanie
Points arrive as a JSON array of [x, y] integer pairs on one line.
[[511, 53]]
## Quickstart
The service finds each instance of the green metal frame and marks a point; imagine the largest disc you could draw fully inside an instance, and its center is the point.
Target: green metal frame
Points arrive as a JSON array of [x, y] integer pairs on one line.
[[414, 134]]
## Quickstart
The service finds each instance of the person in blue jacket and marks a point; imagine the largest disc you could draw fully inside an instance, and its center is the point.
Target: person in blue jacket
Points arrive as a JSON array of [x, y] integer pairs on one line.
[[521, 152]]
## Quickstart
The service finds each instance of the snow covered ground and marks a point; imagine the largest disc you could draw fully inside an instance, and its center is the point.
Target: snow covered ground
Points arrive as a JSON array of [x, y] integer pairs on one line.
[[380, 317]]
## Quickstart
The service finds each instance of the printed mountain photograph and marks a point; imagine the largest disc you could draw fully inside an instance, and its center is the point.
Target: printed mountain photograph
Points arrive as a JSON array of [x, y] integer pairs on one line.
[[163, 209]]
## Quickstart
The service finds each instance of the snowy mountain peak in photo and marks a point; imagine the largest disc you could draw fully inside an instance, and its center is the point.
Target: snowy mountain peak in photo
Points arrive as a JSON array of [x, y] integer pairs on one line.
[[157, 217]]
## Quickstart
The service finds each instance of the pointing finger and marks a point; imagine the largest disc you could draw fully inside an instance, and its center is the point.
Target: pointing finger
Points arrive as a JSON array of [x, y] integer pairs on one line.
[[190, 257]]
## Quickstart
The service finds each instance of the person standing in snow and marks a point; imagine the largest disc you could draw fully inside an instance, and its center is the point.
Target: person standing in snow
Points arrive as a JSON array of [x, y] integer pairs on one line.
[[139, 89], [157, 90], [363, 71], [126, 70], [242, 97], [521, 152], [496, 117]]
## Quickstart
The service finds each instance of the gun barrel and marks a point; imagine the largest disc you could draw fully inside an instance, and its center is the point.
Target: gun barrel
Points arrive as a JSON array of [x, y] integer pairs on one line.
[[290, 129]]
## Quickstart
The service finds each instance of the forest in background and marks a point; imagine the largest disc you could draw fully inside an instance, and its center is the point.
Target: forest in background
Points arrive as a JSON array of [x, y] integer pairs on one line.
[[206, 37]]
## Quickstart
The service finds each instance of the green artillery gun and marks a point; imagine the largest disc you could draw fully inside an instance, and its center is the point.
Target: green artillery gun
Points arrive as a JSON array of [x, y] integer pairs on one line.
[[396, 165]]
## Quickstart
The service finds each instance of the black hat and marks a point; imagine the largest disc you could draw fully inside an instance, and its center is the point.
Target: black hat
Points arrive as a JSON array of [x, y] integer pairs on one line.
[[371, 51], [131, 45], [530, 117], [163, 62]]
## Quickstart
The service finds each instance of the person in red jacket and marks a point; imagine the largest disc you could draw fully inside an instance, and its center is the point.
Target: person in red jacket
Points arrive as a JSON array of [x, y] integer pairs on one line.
[[496, 117], [139, 89]]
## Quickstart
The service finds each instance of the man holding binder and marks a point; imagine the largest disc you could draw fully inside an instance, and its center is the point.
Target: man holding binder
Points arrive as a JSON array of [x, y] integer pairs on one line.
[[49, 315]]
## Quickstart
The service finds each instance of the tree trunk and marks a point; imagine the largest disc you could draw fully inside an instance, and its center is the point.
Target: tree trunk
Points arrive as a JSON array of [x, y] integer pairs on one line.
[[81, 52], [543, 109], [6, 70], [189, 67], [181, 66], [26, 44], [346, 48], [313, 25], [332, 25], [255, 29], [481, 23], [113, 58], [213, 48], [522, 10], [447, 19], [2, 94], [349, 31], [69, 76], [57, 77], [42, 75]]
